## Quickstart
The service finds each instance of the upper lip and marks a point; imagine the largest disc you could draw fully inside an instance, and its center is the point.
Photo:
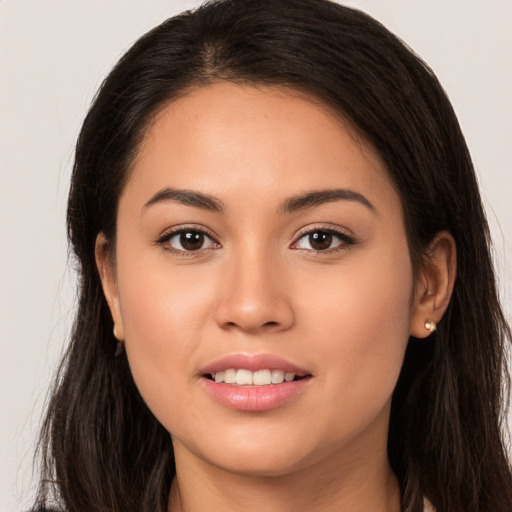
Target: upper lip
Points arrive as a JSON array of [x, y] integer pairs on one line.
[[253, 362]]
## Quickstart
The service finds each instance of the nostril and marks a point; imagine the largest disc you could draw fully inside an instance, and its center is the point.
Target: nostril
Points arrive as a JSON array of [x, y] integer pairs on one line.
[[253, 328]]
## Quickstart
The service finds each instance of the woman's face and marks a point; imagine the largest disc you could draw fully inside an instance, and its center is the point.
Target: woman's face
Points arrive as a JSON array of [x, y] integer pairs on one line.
[[258, 233]]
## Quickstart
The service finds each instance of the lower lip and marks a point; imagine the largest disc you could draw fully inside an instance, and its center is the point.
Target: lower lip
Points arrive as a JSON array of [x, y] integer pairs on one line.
[[255, 398]]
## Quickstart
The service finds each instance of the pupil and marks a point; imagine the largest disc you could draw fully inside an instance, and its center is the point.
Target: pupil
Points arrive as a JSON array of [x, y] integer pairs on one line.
[[192, 240], [320, 240]]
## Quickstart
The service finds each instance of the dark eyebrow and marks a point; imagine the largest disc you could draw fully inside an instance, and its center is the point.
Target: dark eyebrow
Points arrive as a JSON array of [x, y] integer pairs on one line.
[[188, 198], [318, 197]]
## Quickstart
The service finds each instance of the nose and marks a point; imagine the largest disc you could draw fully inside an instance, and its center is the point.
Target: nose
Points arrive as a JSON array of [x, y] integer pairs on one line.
[[254, 296]]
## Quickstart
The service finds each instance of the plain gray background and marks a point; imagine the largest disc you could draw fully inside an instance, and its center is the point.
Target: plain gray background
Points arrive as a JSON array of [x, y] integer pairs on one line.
[[53, 56]]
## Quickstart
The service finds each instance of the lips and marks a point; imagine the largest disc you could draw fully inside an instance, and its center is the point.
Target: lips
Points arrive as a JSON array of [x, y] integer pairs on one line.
[[253, 363], [254, 382]]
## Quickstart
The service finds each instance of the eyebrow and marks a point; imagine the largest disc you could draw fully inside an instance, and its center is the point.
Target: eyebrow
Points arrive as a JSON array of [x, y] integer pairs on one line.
[[319, 197], [291, 205], [188, 198]]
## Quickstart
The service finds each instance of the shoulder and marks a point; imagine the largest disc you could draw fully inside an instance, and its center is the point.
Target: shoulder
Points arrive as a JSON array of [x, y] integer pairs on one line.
[[427, 506], [44, 509]]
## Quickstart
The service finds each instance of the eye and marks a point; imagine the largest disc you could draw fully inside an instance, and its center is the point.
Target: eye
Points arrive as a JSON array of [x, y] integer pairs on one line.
[[187, 240], [323, 240]]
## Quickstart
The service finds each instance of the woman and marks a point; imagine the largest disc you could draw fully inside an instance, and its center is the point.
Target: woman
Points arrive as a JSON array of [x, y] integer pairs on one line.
[[281, 303]]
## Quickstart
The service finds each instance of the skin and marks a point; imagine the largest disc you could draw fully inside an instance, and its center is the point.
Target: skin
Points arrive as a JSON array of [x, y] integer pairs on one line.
[[345, 313]]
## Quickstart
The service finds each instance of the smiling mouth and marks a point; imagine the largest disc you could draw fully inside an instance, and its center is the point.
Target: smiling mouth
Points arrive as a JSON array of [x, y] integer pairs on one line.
[[243, 377]]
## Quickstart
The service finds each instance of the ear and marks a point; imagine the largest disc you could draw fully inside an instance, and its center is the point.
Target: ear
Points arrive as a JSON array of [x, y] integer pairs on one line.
[[107, 273], [435, 284]]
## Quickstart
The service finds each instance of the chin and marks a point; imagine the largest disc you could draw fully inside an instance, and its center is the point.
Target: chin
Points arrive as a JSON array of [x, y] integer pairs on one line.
[[263, 455], [258, 465]]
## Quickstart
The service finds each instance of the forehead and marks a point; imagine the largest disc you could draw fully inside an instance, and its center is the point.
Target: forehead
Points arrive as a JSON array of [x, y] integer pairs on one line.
[[224, 137]]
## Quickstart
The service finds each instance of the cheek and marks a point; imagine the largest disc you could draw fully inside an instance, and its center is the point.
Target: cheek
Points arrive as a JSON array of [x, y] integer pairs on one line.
[[164, 313], [361, 324]]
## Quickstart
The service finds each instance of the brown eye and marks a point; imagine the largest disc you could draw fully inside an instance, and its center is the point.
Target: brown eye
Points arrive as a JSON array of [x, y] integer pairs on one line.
[[323, 240], [190, 240], [320, 240]]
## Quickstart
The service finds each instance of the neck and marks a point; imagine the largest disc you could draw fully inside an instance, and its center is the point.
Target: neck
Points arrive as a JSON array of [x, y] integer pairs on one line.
[[355, 480], [286, 494]]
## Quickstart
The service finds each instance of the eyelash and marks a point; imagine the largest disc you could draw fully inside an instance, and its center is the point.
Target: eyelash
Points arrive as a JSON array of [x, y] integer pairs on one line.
[[346, 240], [165, 238]]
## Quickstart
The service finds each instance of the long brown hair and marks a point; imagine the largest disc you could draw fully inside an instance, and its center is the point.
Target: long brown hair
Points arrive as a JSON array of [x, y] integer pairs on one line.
[[102, 448]]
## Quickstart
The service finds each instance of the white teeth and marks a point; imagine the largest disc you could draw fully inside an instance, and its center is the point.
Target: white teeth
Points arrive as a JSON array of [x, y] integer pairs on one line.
[[244, 377], [229, 376], [277, 376], [262, 378]]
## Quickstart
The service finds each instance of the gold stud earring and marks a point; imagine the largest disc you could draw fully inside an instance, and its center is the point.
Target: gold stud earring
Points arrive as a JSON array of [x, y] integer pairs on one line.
[[430, 325], [120, 343]]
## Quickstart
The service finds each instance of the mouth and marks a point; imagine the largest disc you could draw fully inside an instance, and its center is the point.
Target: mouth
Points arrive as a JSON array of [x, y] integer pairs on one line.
[[244, 377], [254, 382]]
